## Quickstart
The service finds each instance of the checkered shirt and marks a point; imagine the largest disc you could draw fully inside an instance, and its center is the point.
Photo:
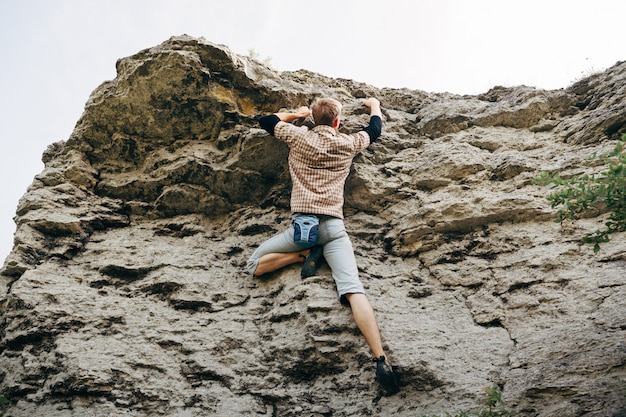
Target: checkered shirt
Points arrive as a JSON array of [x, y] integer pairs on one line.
[[319, 163]]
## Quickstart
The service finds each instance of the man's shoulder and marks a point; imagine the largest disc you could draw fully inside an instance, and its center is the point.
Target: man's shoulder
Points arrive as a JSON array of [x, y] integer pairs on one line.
[[288, 131]]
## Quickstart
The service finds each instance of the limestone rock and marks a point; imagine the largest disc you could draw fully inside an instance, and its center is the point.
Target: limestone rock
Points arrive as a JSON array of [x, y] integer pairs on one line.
[[125, 292]]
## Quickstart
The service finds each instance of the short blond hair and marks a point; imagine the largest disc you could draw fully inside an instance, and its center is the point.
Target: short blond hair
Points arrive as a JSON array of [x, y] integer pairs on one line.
[[325, 111]]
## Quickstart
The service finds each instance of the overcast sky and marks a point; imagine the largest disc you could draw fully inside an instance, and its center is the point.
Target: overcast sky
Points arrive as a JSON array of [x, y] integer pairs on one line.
[[55, 52]]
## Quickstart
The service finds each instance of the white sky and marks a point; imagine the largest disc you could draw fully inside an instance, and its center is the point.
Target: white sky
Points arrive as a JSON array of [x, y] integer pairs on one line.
[[54, 53]]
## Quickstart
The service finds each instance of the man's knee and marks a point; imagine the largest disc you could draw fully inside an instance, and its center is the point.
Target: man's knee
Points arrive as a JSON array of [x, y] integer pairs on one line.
[[252, 265]]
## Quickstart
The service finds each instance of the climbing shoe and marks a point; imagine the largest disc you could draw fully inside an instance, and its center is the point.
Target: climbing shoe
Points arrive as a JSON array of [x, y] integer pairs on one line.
[[311, 262], [386, 376]]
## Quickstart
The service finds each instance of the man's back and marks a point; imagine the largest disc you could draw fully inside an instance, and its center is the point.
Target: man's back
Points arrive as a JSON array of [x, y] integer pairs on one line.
[[319, 163]]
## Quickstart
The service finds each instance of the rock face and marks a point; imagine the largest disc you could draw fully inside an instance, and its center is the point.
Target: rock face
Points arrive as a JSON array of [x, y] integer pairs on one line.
[[125, 293]]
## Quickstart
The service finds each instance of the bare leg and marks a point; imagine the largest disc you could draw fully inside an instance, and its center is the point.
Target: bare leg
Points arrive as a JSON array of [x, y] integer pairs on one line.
[[274, 261], [366, 321]]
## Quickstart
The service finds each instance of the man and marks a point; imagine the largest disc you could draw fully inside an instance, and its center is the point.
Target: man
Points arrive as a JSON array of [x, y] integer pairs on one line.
[[319, 163]]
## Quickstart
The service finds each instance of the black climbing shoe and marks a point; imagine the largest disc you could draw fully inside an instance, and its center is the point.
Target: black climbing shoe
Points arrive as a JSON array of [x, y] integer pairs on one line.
[[386, 377], [311, 262]]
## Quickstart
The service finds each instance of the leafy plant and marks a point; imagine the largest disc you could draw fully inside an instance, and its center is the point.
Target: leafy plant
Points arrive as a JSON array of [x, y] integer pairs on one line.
[[252, 53], [494, 406], [578, 194], [4, 401]]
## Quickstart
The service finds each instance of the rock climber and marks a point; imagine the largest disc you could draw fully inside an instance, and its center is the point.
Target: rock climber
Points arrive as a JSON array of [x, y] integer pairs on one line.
[[319, 162]]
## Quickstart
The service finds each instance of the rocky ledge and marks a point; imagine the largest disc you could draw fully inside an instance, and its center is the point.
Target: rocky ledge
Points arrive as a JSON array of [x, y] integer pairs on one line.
[[125, 293]]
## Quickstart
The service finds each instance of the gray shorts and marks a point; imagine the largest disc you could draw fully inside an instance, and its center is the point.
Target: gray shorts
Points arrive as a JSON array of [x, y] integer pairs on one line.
[[338, 253]]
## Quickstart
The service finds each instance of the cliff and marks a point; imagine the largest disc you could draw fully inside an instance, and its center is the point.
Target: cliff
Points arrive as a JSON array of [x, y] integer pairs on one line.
[[125, 293]]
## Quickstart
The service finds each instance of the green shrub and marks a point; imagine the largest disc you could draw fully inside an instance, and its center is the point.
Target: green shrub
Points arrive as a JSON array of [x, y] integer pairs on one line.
[[493, 406], [578, 194], [4, 402]]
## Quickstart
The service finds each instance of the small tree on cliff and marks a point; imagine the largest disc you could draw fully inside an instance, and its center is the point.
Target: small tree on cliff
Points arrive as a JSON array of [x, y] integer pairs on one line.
[[578, 194]]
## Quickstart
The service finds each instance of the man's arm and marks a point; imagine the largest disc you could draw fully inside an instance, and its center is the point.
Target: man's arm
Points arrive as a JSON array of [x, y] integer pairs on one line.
[[269, 122], [375, 127]]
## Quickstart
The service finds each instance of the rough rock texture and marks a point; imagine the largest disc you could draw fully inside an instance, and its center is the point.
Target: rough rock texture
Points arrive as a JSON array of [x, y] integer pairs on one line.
[[125, 293]]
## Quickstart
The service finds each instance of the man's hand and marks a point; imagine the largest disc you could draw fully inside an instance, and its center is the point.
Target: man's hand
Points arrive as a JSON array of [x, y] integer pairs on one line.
[[374, 106], [370, 101], [301, 113]]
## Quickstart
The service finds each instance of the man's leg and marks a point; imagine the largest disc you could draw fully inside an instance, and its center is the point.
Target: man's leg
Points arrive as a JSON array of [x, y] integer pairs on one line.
[[340, 257], [275, 253], [366, 321], [274, 261]]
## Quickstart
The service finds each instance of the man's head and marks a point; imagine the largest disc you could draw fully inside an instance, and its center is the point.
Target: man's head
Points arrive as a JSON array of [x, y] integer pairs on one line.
[[326, 111]]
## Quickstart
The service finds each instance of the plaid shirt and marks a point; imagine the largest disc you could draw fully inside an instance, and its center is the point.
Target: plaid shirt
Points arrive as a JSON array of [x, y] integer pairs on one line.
[[319, 163]]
